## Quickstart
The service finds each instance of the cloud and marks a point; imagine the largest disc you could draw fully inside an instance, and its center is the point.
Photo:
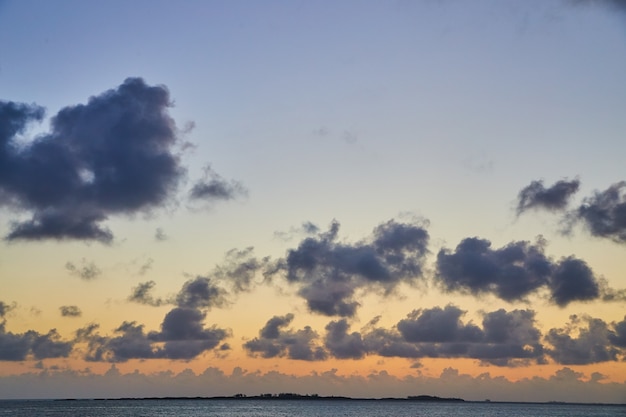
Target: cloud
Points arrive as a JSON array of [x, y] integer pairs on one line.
[[276, 341], [328, 272], [147, 266], [341, 344], [514, 271], [307, 228], [160, 235], [142, 294], [182, 336], [239, 269], [21, 346], [553, 198], [505, 339], [438, 325], [87, 270], [70, 311], [5, 308], [111, 156], [587, 340], [571, 280], [199, 293], [604, 213], [212, 187]]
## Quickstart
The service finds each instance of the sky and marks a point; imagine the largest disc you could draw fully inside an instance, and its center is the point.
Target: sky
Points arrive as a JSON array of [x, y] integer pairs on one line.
[[362, 198]]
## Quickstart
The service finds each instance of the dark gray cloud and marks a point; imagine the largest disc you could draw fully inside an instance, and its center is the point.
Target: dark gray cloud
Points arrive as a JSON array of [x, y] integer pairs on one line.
[[113, 155], [182, 336], [553, 198], [329, 272], [87, 270], [510, 339], [587, 340], [196, 293], [438, 325], [618, 336], [142, 294], [571, 280], [49, 345], [199, 293], [505, 339], [70, 311], [275, 340], [21, 346], [514, 271], [344, 345], [212, 187], [604, 213]]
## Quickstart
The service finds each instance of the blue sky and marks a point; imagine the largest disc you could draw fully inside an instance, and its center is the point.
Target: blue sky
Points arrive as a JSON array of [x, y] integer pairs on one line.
[[435, 114]]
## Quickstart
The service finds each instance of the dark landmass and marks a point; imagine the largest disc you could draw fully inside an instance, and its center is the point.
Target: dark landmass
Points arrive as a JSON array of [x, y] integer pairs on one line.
[[284, 396], [316, 397]]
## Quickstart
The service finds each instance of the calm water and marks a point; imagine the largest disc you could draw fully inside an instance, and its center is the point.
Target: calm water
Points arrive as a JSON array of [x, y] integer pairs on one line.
[[254, 408]]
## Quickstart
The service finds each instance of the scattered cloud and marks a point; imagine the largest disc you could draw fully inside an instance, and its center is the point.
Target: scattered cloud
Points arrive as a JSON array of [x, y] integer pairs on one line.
[[141, 294], [554, 198], [86, 270], [307, 228], [70, 311], [212, 187], [603, 214], [239, 269], [145, 267], [160, 235]]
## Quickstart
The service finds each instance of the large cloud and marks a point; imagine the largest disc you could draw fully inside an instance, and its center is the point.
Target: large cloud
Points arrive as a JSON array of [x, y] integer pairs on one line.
[[514, 271], [113, 155], [328, 272], [276, 340], [505, 339]]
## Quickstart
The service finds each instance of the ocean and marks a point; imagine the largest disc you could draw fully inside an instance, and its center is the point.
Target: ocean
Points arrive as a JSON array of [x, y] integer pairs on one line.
[[316, 408]]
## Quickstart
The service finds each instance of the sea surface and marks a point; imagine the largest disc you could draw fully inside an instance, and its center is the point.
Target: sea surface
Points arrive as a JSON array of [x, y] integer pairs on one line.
[[316, 408]]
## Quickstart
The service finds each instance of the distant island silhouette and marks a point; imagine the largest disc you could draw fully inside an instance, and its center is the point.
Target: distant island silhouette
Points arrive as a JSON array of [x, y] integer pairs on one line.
[[284, 396]]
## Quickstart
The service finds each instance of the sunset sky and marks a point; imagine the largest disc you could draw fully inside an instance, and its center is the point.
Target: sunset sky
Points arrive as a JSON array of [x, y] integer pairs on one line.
[[363, 198]]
